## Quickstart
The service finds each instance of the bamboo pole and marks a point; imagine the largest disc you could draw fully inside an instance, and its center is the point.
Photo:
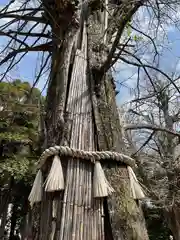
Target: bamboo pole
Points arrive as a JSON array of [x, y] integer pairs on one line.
[[71, 190], [76, 144], [66, 211], [81, 174]]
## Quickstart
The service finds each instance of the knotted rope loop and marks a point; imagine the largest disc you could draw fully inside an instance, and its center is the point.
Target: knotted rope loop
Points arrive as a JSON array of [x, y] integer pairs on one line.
[[101, 187], [93, 156]]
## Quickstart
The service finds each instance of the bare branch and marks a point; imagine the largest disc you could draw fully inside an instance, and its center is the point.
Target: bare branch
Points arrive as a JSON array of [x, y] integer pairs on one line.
[[140, 64], [29, 34], [42, 47], [22, 10], [7, 34], [125, 19], [150, 127], [139, 31], [23, 17], [144, 144]]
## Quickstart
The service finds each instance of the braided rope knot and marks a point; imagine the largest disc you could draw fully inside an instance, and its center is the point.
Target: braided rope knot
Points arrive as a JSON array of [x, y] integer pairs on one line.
[[93, 156]]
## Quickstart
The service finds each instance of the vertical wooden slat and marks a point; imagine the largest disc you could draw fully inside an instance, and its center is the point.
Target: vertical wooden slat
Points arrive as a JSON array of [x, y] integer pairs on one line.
[[80, 218]]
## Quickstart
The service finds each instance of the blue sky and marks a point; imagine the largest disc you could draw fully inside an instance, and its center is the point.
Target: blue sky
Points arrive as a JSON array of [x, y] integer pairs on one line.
[[168, 62]]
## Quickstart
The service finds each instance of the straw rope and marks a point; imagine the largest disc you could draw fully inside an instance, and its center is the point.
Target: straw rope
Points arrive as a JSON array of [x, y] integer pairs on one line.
[[93, 156]]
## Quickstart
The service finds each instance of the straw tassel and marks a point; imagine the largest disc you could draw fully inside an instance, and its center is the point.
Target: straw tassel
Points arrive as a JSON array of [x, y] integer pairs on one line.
[[55, 179], [101, 186], [36, 191], [136, 190]]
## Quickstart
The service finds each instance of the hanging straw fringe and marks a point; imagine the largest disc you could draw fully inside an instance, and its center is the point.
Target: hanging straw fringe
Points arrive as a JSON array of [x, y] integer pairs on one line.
[[55, 179], [136, 189], [36, 191], [101, 186]]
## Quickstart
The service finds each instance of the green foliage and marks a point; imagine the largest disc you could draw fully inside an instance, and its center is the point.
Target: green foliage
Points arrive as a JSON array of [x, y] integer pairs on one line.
[[17, 167], [135, 37], [19, 111], [19, 119]]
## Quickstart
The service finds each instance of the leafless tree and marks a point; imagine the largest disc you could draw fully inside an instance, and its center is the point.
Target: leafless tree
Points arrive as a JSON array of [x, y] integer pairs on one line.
[[152, 122]]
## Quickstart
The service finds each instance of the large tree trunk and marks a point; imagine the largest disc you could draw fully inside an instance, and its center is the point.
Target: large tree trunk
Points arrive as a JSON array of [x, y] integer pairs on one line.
[[82, 113]]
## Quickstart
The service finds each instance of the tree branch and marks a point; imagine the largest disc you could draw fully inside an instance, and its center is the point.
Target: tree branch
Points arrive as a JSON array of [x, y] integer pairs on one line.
[[125, 19], [29, 34], [150, 127], [7, 34], [23, 17], [42, 47], [144, 144], [22, 10], [139, 31], [140, 64]]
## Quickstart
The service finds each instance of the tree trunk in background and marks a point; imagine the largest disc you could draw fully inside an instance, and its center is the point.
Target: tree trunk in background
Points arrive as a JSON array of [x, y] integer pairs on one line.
[[88, 120], [172, 215], [13, 221], [3, 217], [26, 228], [5, 197], [172, 212]]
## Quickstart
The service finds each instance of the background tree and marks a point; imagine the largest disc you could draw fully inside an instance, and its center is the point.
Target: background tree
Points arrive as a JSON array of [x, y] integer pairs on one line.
[[18, 136], [154, 117]]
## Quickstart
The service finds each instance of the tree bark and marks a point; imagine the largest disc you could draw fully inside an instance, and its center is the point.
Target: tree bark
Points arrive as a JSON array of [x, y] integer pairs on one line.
[[127, 221]]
